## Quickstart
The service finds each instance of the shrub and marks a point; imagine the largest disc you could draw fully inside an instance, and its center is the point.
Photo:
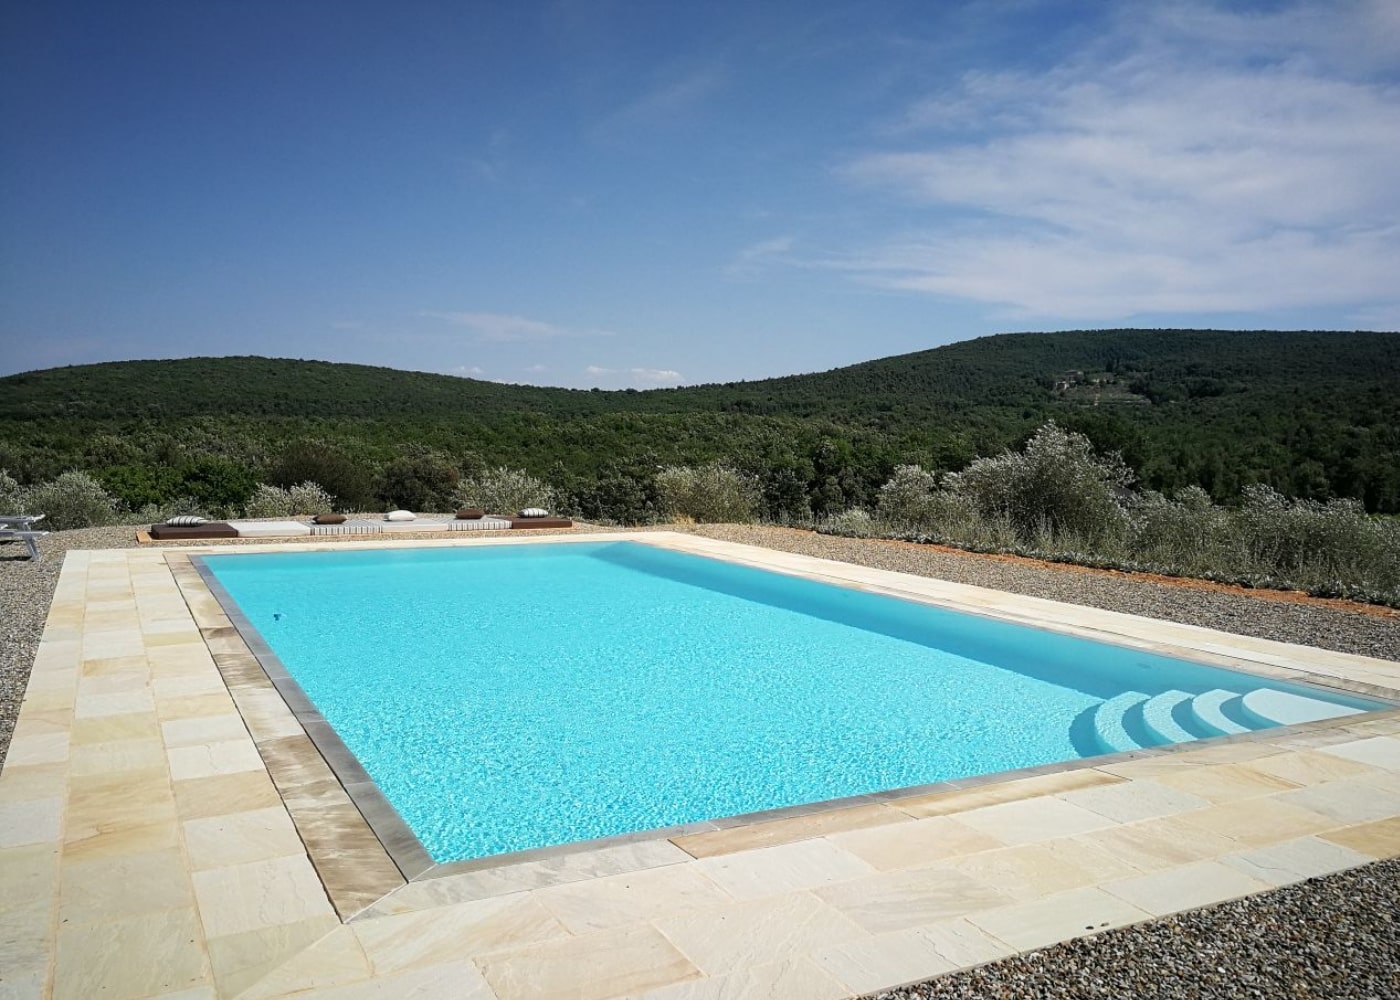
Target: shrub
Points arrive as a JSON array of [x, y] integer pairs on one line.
[[906, 501], [614, 498], [1057, 485], [347, 479], [9, 492], [853, 523], [503, 491], [708, 494], [421, 479], [273, 501], [73, 500]]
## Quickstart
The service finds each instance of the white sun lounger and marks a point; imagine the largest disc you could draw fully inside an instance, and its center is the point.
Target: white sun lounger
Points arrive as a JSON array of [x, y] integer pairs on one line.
[[270, 529], [354, 526], [479, 524]]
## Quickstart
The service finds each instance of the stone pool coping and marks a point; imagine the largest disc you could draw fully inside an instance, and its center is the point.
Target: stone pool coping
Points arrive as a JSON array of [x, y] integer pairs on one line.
[[167, 824]]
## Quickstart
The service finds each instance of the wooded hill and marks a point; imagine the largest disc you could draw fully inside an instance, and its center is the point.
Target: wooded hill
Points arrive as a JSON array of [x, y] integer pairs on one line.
[[1311, 414]]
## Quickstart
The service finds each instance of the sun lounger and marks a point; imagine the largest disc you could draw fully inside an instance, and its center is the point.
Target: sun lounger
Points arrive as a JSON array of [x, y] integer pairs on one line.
[[29, 538], [354, 526], [479, 524], [177, 532], [540, 522], [271, 529]]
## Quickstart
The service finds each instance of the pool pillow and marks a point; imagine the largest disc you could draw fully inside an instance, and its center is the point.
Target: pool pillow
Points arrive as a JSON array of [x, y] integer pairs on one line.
[[328, 519], [400, 515], [470, 513], [534, 512], [186, 520]]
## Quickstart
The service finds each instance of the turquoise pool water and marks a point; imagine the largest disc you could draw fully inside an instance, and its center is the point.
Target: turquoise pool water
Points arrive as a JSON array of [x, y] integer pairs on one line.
[[513, 697]]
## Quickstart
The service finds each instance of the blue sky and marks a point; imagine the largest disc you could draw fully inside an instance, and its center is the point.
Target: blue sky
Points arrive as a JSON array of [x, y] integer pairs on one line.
[[615, 194]]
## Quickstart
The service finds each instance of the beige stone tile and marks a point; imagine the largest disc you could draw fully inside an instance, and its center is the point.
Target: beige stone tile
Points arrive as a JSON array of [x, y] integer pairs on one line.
[[1380, 839], [120, 757], [1029, 871], [239, 960], [560, 870], [192, 685], [91, 706], [136, 957], [914, 845], [601, 903], [1295, 860], [115, 728], [963, 944], [1259, 821], [1347, 802], [195, 706], [1377, 751], [334, 960], [238, 838], [466, 930], [37, 748], [787, 831], [1310, 767], [242, 791], [258, 895], [1185, 887], [27, 875], [32, 821], [1228, 782], [1130, 801], [1057, 918], [454, 980], [19, 782], [592, 967], [897, 900], [203, 729], [1161, 843], [963, 799], [116, 665], [772, 871], [124, 886], [26, 936], [793, 977], [883, 961], [1032, 820], [117, 814], [758, 931], [206, 760]]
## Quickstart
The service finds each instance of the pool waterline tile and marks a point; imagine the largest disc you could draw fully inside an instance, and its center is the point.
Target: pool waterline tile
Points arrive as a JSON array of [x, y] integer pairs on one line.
[[1296, 750]]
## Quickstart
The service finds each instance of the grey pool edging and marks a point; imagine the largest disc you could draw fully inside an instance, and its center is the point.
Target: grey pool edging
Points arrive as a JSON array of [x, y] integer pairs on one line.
[[415, 863]]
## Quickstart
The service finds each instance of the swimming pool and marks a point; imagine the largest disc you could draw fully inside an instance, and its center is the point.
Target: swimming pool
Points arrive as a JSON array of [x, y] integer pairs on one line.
[[505, 698]]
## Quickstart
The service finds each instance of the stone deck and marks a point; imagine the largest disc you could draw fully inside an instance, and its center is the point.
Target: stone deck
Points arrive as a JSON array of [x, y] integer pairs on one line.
[[168, 829]]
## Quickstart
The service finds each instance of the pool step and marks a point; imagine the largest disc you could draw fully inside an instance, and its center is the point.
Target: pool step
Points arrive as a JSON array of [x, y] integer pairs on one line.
[[1265, 707], [1159, 717], [1209, 709], [1111, 726], [1135, 721]]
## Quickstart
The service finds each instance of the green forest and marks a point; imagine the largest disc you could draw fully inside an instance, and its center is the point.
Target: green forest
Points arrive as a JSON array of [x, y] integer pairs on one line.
[[1312, 415]]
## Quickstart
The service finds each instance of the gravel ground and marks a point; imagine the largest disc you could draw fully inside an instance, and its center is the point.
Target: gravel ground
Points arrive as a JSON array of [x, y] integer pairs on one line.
[[1334, 937]]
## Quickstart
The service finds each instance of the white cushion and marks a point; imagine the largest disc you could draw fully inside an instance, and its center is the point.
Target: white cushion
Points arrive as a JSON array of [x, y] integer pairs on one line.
[[183, 520], [271, 529], [534, 512], [400, 515]]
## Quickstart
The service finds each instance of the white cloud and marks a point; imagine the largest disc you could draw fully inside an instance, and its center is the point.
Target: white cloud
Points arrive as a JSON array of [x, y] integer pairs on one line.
[[666, 101], [467, 371], [639, 377], [1198, 160], [660, 376], [497, 328], [752, 259]]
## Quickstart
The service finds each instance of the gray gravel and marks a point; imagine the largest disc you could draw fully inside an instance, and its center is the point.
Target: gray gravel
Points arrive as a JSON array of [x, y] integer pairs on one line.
[[1334, 937]]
